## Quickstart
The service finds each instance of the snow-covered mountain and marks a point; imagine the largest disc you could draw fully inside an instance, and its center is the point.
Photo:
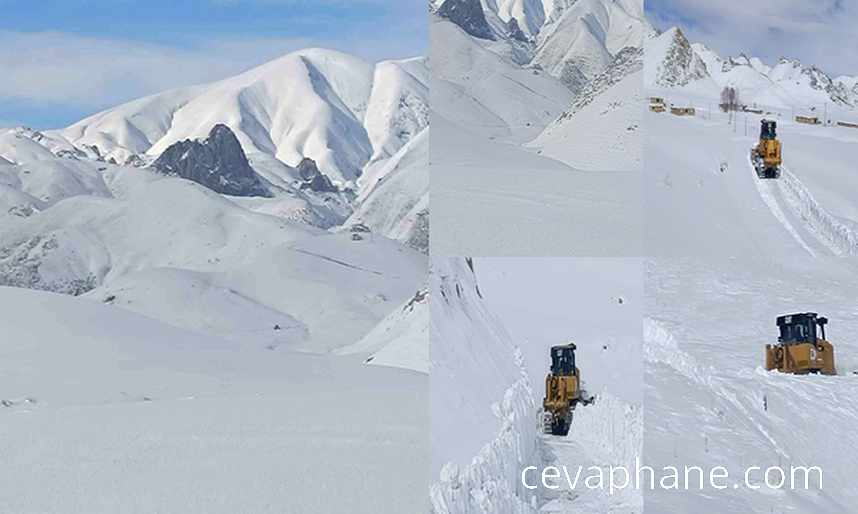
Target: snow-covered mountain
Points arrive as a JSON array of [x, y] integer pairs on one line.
[[673, 62], [573, 41], [76, 221], [394, 198], [302, 130], [472, 85], [581, 40], [334, 108], [602, 128], [499, 109]]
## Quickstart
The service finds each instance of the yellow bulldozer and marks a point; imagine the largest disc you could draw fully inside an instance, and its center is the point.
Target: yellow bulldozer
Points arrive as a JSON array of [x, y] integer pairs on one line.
[[766, 155], [799, 350], [563, 391]]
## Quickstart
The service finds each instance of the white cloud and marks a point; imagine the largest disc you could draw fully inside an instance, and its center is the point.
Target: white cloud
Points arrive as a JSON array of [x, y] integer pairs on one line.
[[820, 32], [65, 68], [93, 72]]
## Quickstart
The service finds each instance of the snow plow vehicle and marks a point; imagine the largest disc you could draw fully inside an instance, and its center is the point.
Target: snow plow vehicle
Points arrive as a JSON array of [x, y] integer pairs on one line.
[[563, 391], [766, 156], [799, 350]]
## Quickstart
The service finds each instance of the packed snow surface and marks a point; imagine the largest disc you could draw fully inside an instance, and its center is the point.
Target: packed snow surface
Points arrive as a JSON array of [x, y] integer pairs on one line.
[[487, 384], [105, 410], [699, 167]]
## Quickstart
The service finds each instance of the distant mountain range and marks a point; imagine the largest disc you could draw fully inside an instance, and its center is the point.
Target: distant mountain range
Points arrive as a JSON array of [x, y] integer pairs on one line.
[[672, 61], [316, 131], [571, 40]]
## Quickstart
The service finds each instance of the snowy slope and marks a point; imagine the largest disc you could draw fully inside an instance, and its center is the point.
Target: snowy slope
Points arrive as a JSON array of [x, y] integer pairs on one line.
[[492, 198], [108, 411], [736, 252], [581, 41], [699, 167], [670, 61], [475, 87], [493, 193], [167, 222], [707, 392], [394, 198], [329, 106], [401, 339], [607, 435], [482, 408], [472, 326], [602, 129]]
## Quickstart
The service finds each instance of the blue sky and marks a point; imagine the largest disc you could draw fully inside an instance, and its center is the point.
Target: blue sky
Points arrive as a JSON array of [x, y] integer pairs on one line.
[[63, 60], [819, 32]]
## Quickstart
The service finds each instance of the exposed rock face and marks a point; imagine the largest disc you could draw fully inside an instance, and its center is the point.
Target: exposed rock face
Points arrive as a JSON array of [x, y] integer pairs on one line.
[[627, 61], [681, 65], [218, 163], [515, 31], [314, 179], [469, 15]]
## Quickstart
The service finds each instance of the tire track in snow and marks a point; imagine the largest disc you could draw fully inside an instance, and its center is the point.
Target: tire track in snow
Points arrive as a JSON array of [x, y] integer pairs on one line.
[[764, 188], [836, 236]]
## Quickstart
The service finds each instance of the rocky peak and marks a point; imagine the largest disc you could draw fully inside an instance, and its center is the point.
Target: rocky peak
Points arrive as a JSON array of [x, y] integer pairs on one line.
[[314, 179], [515, 31], [627, 61], [218, 163], [681, 64], [469, 15]]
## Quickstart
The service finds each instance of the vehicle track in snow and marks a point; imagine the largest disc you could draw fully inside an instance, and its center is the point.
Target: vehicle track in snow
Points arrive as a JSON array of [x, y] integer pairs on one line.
[[836, 236], [766, 190]]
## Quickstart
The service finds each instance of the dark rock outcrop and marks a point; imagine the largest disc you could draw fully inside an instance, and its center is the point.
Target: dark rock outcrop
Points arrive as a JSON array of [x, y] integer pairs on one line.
[[314, 179], [218, 163], [515, 31], [469, 15]]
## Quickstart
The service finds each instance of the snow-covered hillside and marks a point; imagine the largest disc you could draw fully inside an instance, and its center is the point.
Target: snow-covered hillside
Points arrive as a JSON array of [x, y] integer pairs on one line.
[[477, 88], [518, 150], [581, 40], [493, 323], [673, 62], [104, 410], [602, 130], [573, 41], [711, 403], [311, 124], [482, 408], [331, 107], [394, 198], [735, 252], [700, 167]]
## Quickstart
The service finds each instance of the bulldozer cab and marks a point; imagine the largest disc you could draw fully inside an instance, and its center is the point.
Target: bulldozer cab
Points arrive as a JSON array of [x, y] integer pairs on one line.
[[563, 360], [768, 130], [800, 328]]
